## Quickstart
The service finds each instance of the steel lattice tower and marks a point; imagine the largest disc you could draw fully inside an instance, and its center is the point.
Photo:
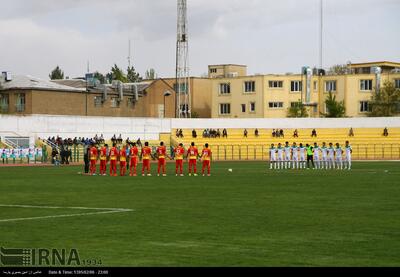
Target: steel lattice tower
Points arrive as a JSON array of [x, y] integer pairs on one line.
[[182, 88]]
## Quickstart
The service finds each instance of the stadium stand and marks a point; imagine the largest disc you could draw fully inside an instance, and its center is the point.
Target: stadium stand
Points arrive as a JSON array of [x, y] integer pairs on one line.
[[367, 143]]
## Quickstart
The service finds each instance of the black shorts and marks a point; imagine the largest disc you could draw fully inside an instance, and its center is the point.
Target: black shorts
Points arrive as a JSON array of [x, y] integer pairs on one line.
[[310, 158]]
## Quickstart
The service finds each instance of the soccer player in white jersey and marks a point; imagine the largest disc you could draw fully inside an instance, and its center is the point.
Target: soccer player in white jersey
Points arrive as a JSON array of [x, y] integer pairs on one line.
[[316, 150], [272, 156], [348, 152], [331, 157], [279, 151], [339, 156], [295, 155], [302, 151], [287, 155], [324, 151]]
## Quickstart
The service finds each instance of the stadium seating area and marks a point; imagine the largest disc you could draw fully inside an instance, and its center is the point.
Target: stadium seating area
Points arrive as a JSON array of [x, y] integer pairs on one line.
[[367, 143]]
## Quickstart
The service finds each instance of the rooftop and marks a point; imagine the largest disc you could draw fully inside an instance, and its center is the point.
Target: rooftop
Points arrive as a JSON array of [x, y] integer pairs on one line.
[[33, 83], [379, 63]]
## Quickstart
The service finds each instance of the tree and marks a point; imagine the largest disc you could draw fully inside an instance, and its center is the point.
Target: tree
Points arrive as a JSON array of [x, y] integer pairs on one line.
[[334, 108], [133, 76], [150, 74], [56, 74], [297, 110], [386, 101], [100, 77], [116, 74], [337, 69]]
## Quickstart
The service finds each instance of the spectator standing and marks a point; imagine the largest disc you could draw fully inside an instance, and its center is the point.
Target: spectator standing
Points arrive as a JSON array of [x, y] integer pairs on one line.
[[256, 132], [385, 132], [351, 132], [281, 133], [194, 134], [314, 133], [224, 133], [295, 134], [245, 133]]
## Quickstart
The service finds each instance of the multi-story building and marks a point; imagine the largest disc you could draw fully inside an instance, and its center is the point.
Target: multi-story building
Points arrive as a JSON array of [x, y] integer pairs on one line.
[[237, 95]]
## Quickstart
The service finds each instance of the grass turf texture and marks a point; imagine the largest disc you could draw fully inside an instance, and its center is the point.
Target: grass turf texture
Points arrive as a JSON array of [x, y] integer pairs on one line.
[[250, 217]]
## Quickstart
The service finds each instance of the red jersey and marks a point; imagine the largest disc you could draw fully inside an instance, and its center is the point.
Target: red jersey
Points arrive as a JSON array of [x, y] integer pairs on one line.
[[103, 153], [162, 152], [146, 153], [113, 154], [133, 152], [93, 153], [193, 153], [206, 154], [179, 152], [122, 155]]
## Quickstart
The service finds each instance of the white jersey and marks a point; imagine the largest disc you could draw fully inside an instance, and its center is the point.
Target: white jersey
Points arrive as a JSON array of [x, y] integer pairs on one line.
[[272, 152], [302, 151], [338, 152], [331, 152], [348, 152], [316, 151], [287, 151], [324, 151], [295, 151], [280, 152]]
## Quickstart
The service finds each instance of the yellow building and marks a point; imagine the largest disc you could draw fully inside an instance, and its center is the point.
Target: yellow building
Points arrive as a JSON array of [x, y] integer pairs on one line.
[[236, 95]]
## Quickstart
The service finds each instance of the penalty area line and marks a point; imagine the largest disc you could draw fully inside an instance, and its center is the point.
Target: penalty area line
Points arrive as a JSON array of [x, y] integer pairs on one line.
[[97, 211]]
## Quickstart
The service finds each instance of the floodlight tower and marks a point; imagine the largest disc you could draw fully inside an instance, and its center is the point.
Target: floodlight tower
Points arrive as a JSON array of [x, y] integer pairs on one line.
[[182, 87]]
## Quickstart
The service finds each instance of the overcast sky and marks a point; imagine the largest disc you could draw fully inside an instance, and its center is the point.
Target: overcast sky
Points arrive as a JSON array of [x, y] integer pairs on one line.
[[269, 36]]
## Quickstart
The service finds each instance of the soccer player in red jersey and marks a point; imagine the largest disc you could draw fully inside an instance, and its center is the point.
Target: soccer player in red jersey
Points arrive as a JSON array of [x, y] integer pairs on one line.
[[103, 160], [146, 156], [133, 154], [206, 157], [161, 154], [179, 153], [93, 159], [113, 160], [193, 154], [122, 160]]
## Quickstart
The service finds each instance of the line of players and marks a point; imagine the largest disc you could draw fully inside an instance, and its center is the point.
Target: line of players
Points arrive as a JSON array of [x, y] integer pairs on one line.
[[133, 155], [324, 157]]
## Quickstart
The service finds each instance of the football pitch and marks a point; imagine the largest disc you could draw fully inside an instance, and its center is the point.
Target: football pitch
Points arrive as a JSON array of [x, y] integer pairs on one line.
[[251, 216]]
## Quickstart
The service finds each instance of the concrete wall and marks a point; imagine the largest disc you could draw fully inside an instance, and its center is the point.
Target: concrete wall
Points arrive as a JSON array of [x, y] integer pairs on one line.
[[150, 128]]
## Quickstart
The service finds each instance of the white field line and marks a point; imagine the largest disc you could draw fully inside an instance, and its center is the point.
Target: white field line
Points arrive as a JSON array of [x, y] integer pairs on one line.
[[99, 211]]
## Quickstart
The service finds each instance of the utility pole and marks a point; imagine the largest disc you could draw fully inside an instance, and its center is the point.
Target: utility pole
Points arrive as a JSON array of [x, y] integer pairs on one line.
[[182, 80]]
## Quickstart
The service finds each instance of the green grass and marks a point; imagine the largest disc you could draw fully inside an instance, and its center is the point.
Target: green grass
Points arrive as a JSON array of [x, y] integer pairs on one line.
[[250, 217]]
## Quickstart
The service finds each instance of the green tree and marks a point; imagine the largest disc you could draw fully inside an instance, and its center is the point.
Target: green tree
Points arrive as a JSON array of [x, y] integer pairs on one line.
[[386, 101], [297, 110], [334, 108], [56, 74], [133, 76], [150, 74], [100, 77], [116, 74]]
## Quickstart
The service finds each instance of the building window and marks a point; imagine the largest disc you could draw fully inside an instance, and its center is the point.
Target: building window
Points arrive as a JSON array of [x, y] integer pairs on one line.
[[98, 101], [114, 102], [315, 85], [224, 109], [275, 105], [275, 84], [330, 86], [213, 70], [252, 107], [4, 103], [295, 104], [183, 88], [296, 86], [243, 108], [20, 103], [225, 88], [397, 83], [364, 107], [250, 86], [365, 85]]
